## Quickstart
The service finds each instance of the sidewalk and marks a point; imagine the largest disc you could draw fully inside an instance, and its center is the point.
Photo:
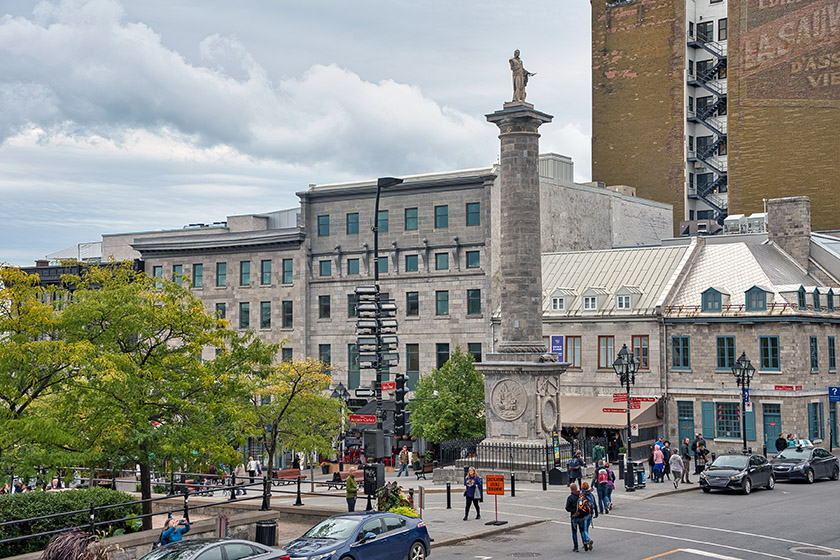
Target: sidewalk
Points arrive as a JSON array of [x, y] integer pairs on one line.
[[530, 506]]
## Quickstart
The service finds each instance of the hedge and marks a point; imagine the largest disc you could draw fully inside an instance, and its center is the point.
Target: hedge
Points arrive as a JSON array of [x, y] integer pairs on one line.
[[37, 504]]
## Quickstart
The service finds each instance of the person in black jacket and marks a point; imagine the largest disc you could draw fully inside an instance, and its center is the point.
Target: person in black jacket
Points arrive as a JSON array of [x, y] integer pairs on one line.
[[571, 507], [781, 443]]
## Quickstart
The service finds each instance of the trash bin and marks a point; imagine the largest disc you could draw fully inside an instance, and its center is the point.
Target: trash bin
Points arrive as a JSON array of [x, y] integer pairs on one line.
[[557, 477], [266, 533], [621, 460], [639, 470]]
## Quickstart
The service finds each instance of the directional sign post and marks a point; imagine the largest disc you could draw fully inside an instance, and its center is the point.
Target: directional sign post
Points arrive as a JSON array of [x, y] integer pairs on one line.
[[363, 418], [746, 394], [495, 487], [364, 392]]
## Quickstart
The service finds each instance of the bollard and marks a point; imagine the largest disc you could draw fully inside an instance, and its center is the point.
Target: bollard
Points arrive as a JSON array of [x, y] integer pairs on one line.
[[187, 504], [233, 487], [544, 482], [298, 502], [92, 515], [512, 485], [411, 496], [172, 485], [266, 502], [448, 496]]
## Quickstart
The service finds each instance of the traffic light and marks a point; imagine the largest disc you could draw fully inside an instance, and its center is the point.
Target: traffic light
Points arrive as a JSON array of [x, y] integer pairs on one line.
[[400, 401]]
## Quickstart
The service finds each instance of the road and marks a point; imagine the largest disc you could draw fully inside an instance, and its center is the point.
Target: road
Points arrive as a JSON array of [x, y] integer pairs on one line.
[[794, 521]]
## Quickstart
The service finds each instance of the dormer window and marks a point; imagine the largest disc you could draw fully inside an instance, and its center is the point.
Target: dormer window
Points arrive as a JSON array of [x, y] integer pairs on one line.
[[802, 303], [711, 300], [756, 299], [590, 303], [558, 304], [622, 302], [817, 305]]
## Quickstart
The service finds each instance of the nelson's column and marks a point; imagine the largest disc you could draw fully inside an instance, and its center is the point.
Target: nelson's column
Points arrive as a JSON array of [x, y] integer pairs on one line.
[[521, 380]]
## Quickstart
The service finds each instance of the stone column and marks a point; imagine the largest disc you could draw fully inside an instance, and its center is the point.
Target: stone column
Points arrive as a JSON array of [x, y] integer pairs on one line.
[[519, 251], [521, 380]]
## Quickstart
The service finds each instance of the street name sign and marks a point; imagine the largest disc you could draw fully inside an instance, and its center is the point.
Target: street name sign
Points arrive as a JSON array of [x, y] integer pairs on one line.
[[364, 392], [389, 385], [363, 418]]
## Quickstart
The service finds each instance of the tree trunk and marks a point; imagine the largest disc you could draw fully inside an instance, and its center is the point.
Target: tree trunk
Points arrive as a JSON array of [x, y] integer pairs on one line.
[[146, 491]]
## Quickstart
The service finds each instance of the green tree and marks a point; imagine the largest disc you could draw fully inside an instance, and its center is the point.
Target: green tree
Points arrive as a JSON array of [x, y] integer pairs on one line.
[[457, 411], [288, 405], [35, 359], [148, 395]]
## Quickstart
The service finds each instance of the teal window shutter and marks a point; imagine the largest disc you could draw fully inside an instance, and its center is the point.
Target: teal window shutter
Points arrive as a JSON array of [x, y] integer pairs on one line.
[[708, 410], [822, 422], [749, 419]]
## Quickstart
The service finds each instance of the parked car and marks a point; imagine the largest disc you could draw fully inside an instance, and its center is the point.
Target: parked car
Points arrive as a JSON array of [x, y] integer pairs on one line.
[[216, 549], [363, 536], [805, 463], [736, 471]]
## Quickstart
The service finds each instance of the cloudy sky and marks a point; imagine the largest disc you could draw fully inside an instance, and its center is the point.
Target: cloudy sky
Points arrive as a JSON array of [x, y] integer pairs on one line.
[[136, 115]]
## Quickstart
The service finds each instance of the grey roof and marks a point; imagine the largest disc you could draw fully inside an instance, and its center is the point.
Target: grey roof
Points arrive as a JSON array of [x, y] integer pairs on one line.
[[649, 269], [737, 267]]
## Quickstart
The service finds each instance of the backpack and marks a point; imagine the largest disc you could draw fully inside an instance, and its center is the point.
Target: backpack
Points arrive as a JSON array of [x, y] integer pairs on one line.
[[603, 476], [584, 507]]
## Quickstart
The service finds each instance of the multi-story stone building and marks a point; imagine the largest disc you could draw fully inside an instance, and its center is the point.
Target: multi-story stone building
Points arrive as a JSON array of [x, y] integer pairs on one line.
[[688, 310], [715, 105], [290, 275]]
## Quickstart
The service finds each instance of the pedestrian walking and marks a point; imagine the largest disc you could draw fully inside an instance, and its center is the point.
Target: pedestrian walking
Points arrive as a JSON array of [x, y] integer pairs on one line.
[[472, 492], [575, 521], [677, 468], [602, 477], [174, 530], [658, 465], [351, 490], [685, 453], [403, 458], [252, 469], [698, 439], [666, 452], [610, 485], [575, 468], [591, 511], [700, 459], [598, 453], [239, 474]]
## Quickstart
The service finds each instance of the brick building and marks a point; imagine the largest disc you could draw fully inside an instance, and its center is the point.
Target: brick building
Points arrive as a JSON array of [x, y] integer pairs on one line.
[[716, 105]]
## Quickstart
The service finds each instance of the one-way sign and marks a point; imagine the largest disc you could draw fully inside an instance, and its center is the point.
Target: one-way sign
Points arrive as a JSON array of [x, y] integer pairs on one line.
[[363, 392]]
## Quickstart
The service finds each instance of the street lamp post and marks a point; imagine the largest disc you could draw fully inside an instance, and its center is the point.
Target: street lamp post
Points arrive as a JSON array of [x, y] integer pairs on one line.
[[341, 393], [743, 371], [625, 367]]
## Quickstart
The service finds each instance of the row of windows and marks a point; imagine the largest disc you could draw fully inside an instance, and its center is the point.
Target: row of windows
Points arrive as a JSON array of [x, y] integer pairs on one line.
[[412, 264], [286, 314], [411, 219], [411, 359], [706, 29], [723, 419], [768, 347], [590, 303], [755, 299], [264, 273], [606, 351], [412, 304]]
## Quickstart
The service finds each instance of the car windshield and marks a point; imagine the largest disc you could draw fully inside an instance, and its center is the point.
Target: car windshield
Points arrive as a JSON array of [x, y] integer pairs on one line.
[[182, 551], [338, 528], [792, 453], [730, 462]]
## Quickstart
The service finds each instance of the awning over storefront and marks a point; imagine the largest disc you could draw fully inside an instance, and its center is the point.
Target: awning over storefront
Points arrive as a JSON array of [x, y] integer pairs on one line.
[[589, 412]]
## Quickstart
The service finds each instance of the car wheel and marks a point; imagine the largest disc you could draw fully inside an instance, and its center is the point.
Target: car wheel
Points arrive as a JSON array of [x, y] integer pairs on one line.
[[747, 486], [418, 551], [707, 490], [346, 558], [835, 474], [809, 476], [771, 482]]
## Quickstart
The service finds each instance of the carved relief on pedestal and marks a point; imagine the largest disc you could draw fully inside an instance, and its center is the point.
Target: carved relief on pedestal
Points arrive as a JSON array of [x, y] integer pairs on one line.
[[508, 399], [548, 409]]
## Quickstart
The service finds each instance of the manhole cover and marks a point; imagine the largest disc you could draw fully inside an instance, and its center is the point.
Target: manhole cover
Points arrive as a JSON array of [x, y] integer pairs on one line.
[[524, 555], [813, 551]]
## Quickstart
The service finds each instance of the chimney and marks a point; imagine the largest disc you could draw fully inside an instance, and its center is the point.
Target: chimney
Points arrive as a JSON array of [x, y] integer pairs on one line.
[[789, 226], [42, 263]]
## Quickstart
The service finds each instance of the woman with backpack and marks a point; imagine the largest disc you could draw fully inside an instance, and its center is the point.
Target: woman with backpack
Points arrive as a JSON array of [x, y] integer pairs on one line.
[[586, 510], [602, 476]]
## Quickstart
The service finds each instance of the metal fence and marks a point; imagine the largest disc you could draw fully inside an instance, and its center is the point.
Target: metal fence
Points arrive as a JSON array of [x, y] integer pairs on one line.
[[452, 450]]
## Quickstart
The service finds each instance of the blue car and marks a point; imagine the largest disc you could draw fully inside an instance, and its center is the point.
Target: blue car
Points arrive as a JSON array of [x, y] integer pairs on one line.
[[370, 535]]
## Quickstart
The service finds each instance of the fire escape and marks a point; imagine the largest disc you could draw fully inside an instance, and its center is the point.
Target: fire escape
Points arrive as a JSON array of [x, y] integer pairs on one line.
[[708, 116]]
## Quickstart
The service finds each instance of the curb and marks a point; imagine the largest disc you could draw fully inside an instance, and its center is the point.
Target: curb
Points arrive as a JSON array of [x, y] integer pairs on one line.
[[505, 529]]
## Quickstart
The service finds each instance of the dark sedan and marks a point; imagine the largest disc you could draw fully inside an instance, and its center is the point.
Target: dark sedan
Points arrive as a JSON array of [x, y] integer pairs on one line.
[[738, 472], [215, 549], [805, 463], [369, 535]]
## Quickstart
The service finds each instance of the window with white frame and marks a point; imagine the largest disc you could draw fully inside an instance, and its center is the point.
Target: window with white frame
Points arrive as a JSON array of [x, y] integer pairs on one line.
[[590, 303], [558, 304], [622, 302]]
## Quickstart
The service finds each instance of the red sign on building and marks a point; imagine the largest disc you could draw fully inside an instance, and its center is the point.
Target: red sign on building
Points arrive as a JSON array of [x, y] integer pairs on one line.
[[363, 418], [389, 385]]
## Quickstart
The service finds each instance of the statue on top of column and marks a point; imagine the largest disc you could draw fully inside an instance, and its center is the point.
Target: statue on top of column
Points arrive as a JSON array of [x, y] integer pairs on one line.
[[520, 77]]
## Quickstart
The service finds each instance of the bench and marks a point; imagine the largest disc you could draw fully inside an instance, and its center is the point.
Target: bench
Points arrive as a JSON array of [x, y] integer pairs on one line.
[[334, 484], [424, 469], [287, 476]]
